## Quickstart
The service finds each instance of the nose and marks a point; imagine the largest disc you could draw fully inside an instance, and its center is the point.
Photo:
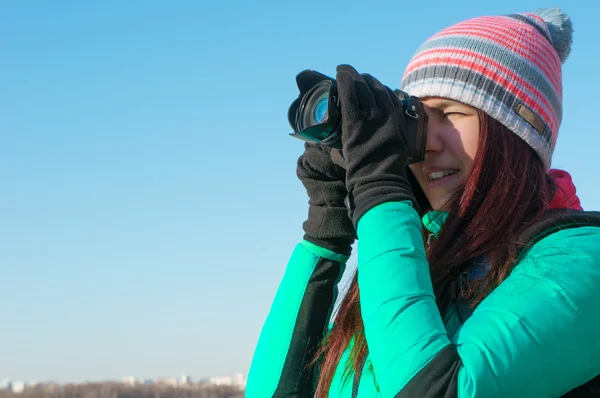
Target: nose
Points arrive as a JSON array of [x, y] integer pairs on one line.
[[434, 142]]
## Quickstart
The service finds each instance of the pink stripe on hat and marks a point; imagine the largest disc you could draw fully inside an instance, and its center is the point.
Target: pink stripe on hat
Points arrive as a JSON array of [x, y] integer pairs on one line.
[[507, 66]]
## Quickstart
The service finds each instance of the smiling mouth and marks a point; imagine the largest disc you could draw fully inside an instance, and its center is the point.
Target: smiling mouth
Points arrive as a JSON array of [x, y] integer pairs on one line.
[[440, 175]]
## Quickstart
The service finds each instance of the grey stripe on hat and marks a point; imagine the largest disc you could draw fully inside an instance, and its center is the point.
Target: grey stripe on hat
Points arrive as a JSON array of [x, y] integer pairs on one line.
[[466, 76], [524, 19], [509, 59], [472, 95]]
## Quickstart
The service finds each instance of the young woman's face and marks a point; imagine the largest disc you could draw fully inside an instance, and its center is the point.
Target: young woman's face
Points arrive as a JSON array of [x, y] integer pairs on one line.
[[452, 141]]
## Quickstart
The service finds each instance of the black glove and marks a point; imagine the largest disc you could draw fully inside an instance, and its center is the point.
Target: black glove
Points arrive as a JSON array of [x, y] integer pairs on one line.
[[374, 143], [320, 168]]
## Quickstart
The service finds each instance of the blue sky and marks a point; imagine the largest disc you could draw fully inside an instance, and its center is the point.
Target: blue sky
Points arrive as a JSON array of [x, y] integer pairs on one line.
[[149, 200]]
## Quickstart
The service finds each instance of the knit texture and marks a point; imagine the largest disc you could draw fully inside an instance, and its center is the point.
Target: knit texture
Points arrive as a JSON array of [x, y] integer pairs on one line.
[[506, 66]]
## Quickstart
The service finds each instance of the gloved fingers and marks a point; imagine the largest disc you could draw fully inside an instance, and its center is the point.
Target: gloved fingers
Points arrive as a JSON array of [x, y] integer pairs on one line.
[[384, 96], [312, 162], [316, 162], [366, 99], [337, 157], [355, 96]]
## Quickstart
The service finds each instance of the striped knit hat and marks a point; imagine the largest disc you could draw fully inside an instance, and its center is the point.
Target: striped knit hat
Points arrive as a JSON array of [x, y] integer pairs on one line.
[[507, 66]]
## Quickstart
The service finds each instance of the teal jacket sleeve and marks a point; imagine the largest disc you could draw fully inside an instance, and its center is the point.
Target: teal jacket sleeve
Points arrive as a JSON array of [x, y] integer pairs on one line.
[[535, 335], [295, 324]]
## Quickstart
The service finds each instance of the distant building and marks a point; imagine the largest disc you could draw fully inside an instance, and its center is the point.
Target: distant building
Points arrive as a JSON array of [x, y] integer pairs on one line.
[[185, 379], [238, 380], [220, 381], [5, 384], [204, 380], [129, 380], [17, 387], [52, 387], [170, 381]]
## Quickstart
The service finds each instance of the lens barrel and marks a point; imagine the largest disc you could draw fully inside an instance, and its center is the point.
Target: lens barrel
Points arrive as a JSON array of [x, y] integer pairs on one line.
[[315, 116]]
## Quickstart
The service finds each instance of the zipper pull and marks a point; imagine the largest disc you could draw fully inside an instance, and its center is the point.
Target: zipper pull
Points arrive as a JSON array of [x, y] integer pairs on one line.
[[429, 239]]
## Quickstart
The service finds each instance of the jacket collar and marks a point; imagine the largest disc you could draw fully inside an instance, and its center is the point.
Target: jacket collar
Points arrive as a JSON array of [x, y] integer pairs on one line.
[[565, 197], [434, 220]]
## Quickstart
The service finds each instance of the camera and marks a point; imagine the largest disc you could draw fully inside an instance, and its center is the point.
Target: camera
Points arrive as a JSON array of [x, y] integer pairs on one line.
[[315, 116]]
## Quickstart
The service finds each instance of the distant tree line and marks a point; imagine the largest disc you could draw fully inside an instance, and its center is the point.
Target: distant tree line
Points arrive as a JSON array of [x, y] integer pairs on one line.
[[118, 390]]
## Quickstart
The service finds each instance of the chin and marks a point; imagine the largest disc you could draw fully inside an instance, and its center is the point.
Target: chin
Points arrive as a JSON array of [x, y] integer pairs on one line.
[[436, 207], [438, 204]]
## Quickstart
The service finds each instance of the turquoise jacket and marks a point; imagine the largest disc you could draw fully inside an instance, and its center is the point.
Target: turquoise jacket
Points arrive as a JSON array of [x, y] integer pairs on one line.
[[536, 335]]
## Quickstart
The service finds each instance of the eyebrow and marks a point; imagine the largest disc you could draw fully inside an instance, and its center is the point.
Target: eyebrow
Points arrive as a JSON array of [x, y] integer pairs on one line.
[[443, 104]]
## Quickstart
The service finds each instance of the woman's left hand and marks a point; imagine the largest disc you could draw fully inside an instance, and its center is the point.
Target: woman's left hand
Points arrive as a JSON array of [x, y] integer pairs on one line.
[[374, 142]]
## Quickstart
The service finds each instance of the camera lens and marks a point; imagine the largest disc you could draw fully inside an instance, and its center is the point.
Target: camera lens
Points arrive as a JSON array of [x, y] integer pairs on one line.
[[314, 106], [320, 112]]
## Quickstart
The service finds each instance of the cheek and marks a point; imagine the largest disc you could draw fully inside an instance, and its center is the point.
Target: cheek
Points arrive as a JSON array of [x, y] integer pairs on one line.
[[470, 140]]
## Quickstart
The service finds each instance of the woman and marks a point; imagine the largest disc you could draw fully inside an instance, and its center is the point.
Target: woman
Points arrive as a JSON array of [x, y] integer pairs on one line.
[[467, 284]]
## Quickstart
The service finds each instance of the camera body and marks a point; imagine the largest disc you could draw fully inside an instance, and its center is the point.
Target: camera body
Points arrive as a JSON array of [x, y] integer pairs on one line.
[[315, 116]]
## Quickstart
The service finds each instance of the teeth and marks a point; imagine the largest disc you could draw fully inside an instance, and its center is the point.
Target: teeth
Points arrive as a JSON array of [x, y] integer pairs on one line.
[[440, 174]]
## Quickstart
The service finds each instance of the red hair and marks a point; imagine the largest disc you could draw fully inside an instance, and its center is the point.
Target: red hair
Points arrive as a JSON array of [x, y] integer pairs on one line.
[[507, 188]]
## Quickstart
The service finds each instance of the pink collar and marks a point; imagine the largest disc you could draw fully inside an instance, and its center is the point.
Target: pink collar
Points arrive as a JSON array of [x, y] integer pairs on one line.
[[566, 194]]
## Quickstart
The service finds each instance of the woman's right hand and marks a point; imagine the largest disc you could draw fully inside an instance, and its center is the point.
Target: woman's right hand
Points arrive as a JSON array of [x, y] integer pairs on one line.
[[321, 171], [374, 132]]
